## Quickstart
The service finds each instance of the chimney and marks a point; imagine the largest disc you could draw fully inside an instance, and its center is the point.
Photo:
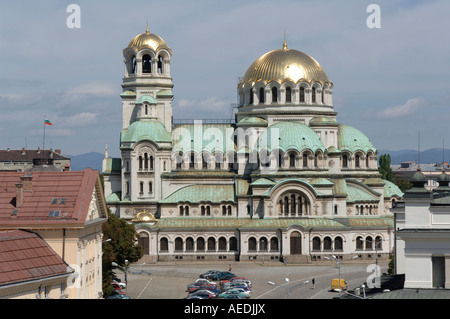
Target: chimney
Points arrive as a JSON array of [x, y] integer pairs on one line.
[[57, 151], [19, 194], [39, 150], [26, 181], [23, 151]]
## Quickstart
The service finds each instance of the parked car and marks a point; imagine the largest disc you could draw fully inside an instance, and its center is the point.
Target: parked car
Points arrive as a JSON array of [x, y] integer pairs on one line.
[[195, 297], [242, 279], [204, 293], [224, 275], [247, 292], [116, 281], [117, 296], [238, 285], [232, 292], [199, 282], [209, 274], [205, 287]]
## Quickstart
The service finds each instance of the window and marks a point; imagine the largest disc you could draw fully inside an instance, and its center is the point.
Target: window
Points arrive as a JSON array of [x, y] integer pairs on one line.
[[152, 162], [146, 161], [150, 187], [141, 187], [222, 244], [327, 243], [251, 96], [357, 165], [160, 65], [200, 244], [302, 95], [359, 243], [338, 243], [261, 95], [252, 244], [189, 244], [288, 95], [140, 162], [344, 161], [54, 201], [178, 244], [233, 244], [314, 95], [335, 209], [292, 160], [211, 244], [305, 160], [274, 95], [274, 244], [181, 211], [146, 64], [263, 244], [191, 163], [164, 244], [316, 244]]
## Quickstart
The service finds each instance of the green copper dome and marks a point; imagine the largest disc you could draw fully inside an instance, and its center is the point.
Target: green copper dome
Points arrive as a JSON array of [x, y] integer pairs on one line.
[[290, 136], [352, 140], [145, 130]]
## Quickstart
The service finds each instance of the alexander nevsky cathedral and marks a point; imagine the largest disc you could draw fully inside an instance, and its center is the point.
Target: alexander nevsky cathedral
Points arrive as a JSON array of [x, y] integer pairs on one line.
[[283, 181]]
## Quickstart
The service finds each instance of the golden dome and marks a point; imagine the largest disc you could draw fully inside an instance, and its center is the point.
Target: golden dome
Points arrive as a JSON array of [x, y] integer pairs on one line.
[[285, 65], [148, 40]]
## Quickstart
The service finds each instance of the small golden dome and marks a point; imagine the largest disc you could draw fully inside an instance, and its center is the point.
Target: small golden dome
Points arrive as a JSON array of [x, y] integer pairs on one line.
[[148, 40], [285, 65]]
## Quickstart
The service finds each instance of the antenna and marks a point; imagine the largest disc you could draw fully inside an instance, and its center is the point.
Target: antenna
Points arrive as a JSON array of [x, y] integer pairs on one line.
[[418, 153]]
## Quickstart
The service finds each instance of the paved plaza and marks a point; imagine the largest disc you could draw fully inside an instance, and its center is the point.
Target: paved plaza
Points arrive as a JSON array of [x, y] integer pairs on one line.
[[169, 280]]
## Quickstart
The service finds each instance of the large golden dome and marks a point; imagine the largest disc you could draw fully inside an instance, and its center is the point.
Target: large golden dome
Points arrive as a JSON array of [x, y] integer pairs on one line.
[[148, 40], [285, 65]]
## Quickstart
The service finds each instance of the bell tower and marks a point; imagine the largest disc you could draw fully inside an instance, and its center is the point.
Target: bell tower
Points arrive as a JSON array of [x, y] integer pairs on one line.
[[147, 83]]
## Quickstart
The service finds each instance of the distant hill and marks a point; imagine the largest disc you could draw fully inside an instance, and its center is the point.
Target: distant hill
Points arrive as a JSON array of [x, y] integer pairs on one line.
[[80, 162], [433, 155]]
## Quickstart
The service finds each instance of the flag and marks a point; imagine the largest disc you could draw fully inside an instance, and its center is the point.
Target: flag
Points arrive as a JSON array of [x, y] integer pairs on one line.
[[48, 122]]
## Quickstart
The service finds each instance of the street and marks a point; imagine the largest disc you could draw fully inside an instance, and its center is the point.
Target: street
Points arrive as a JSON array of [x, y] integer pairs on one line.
[[270, 280]]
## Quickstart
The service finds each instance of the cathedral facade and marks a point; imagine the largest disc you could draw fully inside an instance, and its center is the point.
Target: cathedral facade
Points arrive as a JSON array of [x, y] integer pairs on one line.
[[283, 181]]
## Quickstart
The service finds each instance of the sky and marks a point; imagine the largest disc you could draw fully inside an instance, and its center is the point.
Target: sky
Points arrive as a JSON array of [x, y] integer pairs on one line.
[[390, 82]]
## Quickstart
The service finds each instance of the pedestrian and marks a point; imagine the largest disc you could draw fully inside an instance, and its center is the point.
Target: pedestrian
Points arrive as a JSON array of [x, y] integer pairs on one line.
[[229, 268], [313, 282]]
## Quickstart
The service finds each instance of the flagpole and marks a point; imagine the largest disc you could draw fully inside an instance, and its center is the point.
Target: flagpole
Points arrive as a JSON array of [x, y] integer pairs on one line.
[[43, 142]]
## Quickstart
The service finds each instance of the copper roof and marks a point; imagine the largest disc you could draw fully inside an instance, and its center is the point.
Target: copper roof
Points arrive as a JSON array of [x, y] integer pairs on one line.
[[54, 199], [24, 256]]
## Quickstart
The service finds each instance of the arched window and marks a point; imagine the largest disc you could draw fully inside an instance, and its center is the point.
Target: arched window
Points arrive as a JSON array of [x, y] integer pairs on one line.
[[316, 161], [305, 160], [316, 244], [204, 161], [179, 160], [263, 244], [189, 244], [211, 244], [160, 64], [192, 162], [200, 244], [261, 95], [251, 96], [152, 162], [146, 64], [181, 210], [288, 94], [293, 206], [252, 244], [141, 187], [150, 187], [224, 210], [208, 210], [378, 242], [344, 161], [133, 65], [178, 244], [338, 244], [369, 242], [327, 243], [359, 243], [164, 244], [145, 161], [140, 162], [186, 210], [127, 187], [302, 94], [335, 209], [229, 210], [222, 244], [323, 96], [314, 95], [357, 165], [292, 160], [273, 244], [203, 210], [274, 95]]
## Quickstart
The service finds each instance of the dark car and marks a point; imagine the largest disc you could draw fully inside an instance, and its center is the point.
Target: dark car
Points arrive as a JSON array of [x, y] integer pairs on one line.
[[224, 275], [205, 287], [209, 274]]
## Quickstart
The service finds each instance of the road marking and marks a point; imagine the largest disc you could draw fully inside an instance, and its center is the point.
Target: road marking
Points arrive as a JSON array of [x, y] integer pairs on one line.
[[144, 288]]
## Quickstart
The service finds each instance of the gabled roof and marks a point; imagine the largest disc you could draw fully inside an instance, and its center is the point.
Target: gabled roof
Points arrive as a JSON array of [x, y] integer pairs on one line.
[[54, 199], [29, 155], [24, 256], [212, 193]]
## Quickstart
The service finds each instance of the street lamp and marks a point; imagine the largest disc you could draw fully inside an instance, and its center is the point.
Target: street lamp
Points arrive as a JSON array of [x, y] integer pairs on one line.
[[338, 263], [124, 269]]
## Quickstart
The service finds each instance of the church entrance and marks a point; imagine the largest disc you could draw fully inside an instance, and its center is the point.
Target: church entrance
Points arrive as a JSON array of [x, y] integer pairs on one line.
[[296, 243]]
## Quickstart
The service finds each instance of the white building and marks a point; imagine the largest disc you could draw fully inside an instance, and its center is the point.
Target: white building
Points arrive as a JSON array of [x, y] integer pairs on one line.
[[285, 178], [423, 234]]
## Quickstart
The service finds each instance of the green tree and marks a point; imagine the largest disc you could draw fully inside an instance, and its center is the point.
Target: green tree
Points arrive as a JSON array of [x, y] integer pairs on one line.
[[120, 244], [385, 169]]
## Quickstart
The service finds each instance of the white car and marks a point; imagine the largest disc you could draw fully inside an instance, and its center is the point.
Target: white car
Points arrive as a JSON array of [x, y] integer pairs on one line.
[[247, 292]]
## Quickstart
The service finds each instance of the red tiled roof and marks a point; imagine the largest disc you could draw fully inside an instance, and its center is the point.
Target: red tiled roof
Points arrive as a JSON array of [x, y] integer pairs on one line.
[[25, 256], [71, 190]]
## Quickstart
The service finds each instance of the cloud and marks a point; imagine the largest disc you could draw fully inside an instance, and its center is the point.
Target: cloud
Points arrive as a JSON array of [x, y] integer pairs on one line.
[[410, 107], [94, 88], [212, 107]]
